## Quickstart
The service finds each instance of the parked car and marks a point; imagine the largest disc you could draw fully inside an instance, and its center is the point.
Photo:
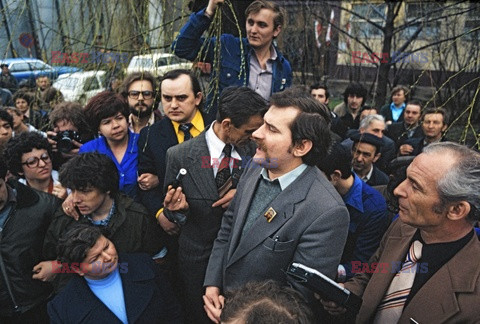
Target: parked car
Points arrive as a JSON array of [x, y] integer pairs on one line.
[[24, 68], [157, 63], [81, 86]]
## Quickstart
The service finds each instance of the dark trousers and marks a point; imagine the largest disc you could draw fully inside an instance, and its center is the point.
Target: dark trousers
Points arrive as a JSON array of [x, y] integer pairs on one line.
[[192, 275]]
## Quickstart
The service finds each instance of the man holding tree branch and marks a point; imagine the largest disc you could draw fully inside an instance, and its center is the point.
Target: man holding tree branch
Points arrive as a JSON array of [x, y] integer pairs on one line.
[[253, 61]]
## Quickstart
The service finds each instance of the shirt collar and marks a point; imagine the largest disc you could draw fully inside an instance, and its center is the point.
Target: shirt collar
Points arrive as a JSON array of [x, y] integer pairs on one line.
[[392, 106], [216, 145], [286, 179], [197, 122], [354, 196], [105, 221], [368, 175], [150, 122]]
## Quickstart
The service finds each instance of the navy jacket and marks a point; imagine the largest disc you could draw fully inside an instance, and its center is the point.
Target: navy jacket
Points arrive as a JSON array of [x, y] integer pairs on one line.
[[234, 65], [148, 297], [153, 143]]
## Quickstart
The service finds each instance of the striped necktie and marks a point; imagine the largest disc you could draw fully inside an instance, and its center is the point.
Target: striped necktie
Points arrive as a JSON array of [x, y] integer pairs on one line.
[[185, 128], [391, 307]]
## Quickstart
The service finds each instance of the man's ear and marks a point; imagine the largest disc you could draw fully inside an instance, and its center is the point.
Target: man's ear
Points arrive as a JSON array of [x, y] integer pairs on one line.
[[336, 175], [377, 156], [458, 210], [198, 98], [303, 148], [226, 124], [277, 31]]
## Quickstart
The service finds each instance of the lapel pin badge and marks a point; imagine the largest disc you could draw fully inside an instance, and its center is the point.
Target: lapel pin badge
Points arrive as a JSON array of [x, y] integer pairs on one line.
[[270, 214]]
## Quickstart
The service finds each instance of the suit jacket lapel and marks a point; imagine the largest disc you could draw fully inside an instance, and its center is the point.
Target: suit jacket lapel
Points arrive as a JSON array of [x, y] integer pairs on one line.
[[445, 285], [167, 131], [395, 250], [202, 176], [244, 203], [283, 204]]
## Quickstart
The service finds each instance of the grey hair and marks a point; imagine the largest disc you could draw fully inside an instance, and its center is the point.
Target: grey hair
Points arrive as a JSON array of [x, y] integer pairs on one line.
[[462, 181], [369, 119]]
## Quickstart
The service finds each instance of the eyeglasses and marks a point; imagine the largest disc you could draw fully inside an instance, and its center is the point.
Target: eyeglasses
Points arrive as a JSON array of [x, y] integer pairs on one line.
[[34, 161], [135, 94]]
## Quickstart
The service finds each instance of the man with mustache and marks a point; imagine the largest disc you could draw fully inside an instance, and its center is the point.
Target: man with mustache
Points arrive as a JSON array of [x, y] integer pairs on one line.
[[260, 66], [139, 89], [285, 210]]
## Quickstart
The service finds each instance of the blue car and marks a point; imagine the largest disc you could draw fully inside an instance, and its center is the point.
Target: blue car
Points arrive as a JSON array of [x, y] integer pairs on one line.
[[24, 68]]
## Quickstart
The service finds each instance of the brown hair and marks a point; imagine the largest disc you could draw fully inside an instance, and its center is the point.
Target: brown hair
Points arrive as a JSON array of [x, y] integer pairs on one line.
[[257, 5]]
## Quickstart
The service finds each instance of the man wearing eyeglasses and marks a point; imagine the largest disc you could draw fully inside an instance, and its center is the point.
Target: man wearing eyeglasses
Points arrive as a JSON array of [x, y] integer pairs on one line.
[[182, 102], [139, 90]]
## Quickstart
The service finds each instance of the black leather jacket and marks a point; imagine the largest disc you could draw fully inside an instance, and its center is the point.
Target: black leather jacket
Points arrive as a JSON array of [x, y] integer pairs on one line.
[[21, 242]]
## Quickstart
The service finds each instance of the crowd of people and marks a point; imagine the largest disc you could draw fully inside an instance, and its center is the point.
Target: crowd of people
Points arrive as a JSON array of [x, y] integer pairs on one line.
[[160, 203]]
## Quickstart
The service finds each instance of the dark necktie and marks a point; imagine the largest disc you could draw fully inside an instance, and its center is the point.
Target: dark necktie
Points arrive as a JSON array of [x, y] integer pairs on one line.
[[185, 128], [223, 173]]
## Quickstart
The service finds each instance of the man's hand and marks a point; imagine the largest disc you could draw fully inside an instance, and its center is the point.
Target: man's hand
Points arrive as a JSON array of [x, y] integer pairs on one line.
[[169, 227], [175, 200], [69, 208], [212, 6], [53, 144], [332, 307], [214, 303], [147, 181], [74, 151], [45, 270], [405, 149], [226, 199]]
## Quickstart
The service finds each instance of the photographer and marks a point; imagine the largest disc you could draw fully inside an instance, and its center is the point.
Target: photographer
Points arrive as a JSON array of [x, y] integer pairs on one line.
[[70, 131]]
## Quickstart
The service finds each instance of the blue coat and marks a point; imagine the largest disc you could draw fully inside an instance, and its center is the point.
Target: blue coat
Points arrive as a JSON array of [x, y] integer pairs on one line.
[[368, 223], [148, 297], [234, 67]]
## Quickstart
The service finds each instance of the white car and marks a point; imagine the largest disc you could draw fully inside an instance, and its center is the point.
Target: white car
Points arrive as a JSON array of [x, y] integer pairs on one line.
[[157, 63], [81, 86]]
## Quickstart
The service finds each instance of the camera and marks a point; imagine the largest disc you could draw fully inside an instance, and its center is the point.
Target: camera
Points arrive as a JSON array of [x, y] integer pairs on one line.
[[64, 140]]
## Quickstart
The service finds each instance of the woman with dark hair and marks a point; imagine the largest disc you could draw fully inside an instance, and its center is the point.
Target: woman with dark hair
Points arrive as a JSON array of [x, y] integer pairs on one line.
[[28, 156], [107, 113]]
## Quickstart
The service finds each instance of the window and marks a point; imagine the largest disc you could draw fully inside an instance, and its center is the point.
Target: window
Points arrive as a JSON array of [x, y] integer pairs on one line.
[[421, 12], [373, 12], [472, 21], [38, 65], [17, 67]]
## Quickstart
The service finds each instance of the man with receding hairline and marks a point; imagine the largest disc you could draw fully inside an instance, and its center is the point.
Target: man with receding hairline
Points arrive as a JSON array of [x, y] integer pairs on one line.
[[431, 250]]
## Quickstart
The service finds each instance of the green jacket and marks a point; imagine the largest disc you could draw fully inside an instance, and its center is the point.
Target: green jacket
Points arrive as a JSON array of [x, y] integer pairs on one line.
[[131, 229]]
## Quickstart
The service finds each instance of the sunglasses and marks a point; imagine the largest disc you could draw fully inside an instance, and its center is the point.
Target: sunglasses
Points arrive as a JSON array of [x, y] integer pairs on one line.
[[145, 94], [34, 161]]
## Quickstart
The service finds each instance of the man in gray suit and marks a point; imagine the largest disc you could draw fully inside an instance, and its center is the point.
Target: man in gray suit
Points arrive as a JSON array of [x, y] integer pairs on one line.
[[284, 210], [213, 161]]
